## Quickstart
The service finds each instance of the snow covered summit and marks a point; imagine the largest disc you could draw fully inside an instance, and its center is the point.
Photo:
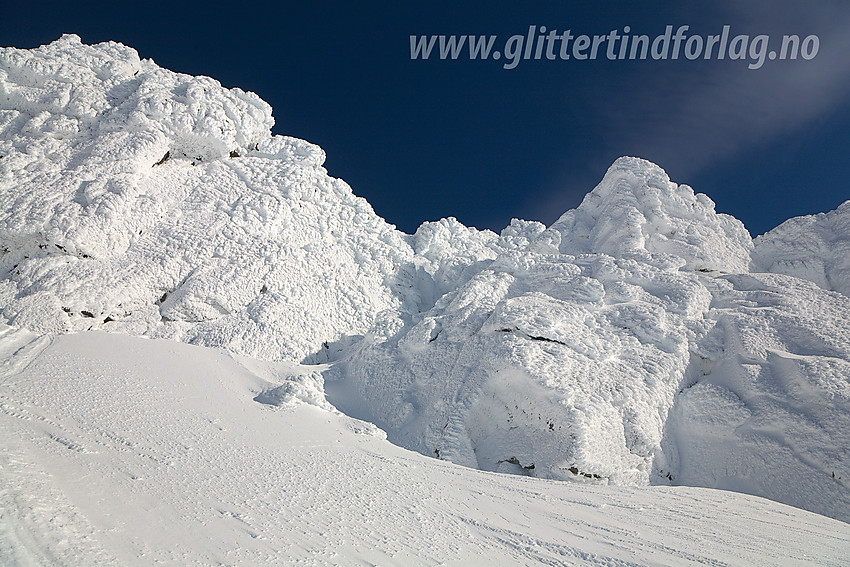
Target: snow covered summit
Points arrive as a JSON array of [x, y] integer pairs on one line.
[[139, 200], [636, 208], [643, 338]]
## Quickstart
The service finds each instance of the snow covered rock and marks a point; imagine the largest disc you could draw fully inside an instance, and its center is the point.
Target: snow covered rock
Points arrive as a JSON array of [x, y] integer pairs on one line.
[[813, 247], [562, 366], [637, 209], [140, 200], [628, 343]]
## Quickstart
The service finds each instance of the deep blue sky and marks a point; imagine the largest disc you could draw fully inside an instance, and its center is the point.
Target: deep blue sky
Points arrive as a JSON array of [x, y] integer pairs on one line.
[[427, 139]]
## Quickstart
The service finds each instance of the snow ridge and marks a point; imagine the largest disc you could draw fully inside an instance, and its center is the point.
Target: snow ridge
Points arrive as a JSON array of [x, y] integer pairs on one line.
[[602, 349]]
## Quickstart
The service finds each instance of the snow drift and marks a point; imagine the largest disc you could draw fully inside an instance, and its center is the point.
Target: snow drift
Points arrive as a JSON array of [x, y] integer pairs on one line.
[[151, 452], [643, 338]]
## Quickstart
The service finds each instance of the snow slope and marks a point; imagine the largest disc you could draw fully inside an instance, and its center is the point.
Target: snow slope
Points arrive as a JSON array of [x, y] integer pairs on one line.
[[641, 339], [124, 451]]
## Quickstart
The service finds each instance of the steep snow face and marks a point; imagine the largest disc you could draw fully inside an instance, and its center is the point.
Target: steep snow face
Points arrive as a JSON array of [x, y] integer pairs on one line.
[[140, 200], [814, 247], [765, 408], [556, 366], [637, 209]]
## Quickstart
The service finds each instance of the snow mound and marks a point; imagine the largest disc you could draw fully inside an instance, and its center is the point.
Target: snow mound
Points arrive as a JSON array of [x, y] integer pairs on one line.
[[140, 200], [814, 247], [637, 209]]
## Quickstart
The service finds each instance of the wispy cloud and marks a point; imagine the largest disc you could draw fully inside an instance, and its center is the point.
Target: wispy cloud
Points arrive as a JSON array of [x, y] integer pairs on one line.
[[716, 115], [690, 116]]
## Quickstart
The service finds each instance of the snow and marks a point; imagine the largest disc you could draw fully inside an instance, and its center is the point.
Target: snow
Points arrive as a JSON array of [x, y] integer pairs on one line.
[[813, 247], [125, 451], [766, 409], [642, 339], [637, 209], [251, 252]]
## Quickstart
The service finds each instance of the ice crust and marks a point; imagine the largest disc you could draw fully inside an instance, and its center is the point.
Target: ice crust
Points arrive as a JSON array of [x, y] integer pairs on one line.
[[643, 338]]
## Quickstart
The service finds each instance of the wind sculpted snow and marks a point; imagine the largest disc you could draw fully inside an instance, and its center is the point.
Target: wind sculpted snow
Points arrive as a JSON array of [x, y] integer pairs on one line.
[[123, 209], [123, 451], [643, 338]]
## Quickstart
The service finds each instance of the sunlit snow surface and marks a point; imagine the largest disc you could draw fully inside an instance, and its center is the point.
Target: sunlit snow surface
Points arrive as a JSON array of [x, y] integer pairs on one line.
[[642, 339], [126, 451]]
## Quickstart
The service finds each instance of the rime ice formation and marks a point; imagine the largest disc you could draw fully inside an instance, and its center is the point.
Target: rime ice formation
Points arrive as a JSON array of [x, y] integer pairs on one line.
[[643, 338], [813, 247], [123, 210], [636, 209]]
